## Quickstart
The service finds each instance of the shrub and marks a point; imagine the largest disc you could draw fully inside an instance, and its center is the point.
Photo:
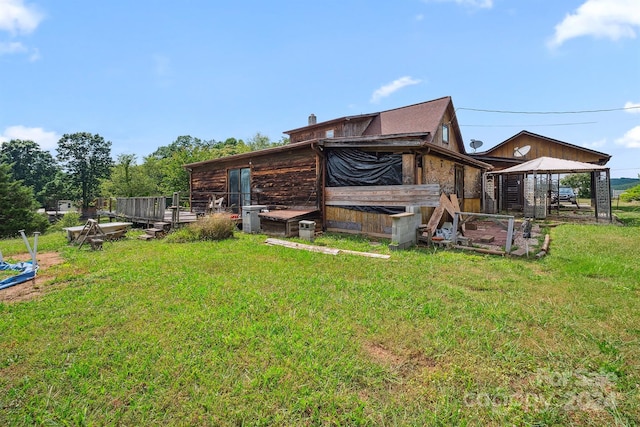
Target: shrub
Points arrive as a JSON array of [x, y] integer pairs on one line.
[[41, 223], [210, 227], [214, 227], [70, 219], [632, 194], [182, 235]]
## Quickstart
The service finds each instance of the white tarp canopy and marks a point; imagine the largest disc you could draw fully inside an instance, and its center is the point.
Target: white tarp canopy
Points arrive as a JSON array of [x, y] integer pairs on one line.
[[551, 165], [537, 185]]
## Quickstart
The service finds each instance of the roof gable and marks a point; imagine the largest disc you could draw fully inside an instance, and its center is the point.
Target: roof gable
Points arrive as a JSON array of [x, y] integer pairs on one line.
[[422, 117], [505, 148]]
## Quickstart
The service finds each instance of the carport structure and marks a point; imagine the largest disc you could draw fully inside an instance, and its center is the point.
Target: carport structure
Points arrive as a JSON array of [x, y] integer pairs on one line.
[[537, 185]]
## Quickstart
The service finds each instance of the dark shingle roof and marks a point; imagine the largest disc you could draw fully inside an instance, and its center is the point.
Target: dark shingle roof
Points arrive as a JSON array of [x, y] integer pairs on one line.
[[422, 117]]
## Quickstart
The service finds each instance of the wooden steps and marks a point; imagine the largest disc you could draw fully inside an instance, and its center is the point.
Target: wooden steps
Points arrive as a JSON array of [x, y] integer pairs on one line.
[[157, 231]]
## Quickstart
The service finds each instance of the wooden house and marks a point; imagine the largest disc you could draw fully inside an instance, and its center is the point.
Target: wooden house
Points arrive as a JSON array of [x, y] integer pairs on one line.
[[508, 192], [349, 173]]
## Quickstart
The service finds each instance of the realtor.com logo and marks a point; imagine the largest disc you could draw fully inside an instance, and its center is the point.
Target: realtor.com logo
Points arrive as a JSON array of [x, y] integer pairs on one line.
[[572, 390]]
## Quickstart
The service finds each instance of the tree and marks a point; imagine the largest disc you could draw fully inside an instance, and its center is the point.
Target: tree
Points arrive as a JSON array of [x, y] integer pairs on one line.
[[129, 179], [17, 206], [29, 164], [87, 159], [632, 194], [59, 188], [166, 164], [260, 142], [581, 181]]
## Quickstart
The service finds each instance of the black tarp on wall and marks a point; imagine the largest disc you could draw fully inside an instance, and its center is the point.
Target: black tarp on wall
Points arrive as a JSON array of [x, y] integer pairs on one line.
[[353, 167]]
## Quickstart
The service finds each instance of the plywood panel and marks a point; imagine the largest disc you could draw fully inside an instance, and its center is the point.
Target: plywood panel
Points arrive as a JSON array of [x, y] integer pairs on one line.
[[408, 169], [471, 205], [472, 182], [356, 222], [387, 195]]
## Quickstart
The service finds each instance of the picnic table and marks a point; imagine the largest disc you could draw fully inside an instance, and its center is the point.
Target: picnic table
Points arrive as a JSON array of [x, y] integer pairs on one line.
[[109, 228]]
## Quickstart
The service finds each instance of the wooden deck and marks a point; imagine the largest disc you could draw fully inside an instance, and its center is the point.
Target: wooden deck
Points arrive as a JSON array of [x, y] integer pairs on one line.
[[184, 217], [145, 210]]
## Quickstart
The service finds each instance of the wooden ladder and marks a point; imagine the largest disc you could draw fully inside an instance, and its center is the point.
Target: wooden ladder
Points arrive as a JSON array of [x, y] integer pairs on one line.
[[91, 230]]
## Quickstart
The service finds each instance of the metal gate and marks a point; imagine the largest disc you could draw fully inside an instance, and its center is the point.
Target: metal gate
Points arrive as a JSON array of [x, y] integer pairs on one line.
[[535, 196], [512, 189], [490, 199], [603, 195]]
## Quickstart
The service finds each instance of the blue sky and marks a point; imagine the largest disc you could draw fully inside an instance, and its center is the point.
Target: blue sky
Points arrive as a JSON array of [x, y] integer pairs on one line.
[[141, 73]]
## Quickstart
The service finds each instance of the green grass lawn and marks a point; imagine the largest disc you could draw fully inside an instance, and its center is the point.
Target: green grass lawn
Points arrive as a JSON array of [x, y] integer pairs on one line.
[[627, 212], [240, 333]]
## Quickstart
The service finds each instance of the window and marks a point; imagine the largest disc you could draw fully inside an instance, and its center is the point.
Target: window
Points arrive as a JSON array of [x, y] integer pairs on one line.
[[239, 188], [329, 133], [445, 133]]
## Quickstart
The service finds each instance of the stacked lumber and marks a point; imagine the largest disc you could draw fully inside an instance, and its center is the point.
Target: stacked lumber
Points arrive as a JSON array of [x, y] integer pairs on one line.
[[449, 204]]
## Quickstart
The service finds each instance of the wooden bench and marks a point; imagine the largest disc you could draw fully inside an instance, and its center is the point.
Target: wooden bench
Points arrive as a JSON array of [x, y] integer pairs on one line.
[[96, 244], [115, 235]]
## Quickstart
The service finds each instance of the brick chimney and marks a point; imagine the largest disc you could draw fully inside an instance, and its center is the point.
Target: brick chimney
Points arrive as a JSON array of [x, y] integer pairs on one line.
[[312, 119]]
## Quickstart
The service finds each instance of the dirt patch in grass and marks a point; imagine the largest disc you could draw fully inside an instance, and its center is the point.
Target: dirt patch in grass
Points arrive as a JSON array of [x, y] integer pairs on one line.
[[404, 364], [31, 288]]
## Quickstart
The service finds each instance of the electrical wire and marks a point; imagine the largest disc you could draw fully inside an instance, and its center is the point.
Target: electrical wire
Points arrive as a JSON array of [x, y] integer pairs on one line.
[[548, 112], [528, 126]]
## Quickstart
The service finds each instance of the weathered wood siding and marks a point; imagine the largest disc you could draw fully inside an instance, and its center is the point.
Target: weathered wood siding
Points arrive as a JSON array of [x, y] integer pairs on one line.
[[352, 127], [207, 182], [383, 195], [471, 205], [472, 201], [289, 179], [472, 183], [355, 222], [279, 180], [544, 148], [374, 224], [315, 133], [453, 134]]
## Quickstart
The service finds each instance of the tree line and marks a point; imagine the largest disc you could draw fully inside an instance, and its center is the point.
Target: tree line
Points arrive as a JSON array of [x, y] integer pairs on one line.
[[83, 170]]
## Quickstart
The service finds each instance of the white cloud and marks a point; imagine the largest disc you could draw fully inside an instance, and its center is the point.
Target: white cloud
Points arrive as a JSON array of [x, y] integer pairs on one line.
[[47, 140], [483, 4], [596, 144], [16, 17], [392, 87], [11, 47], [613, 19], [631, 139], [632, 107]]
